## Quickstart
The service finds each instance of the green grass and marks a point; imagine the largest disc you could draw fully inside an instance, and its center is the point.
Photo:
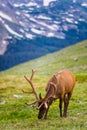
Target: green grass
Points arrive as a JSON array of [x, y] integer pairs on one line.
[[15, 115]]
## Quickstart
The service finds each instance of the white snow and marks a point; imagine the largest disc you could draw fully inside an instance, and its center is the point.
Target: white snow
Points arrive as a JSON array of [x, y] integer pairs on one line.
[[70, 20], [44, 17], [19, 5], [3, 5], [50, 34], [84, 4], [12, 31], [31, 4], [21, 30], [55, 26], [76, 22], [18, 13], [71, 15], [74, 1], [37, 31], [30, 36], [81, 19], [21, 23], [27, 15], [46, 2], [49, 26], [5, 16], [4, 42], [3, 46], [33, 19]]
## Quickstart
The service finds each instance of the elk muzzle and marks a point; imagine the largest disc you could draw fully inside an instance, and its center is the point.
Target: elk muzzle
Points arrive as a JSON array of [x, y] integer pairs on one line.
[[42, 111]]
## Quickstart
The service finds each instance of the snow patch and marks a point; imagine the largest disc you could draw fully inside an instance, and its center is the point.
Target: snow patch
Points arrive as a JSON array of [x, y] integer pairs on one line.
[[74, 1], [12, 31], [70, 20], [84, 4], [30, 36], [3, 46], [21, 30], [44, 17], [31, 4], [18, 5], [49, 26], [46, 2], [50, 34], [5, 16], [3, 5], [18, 13], [37, 31]]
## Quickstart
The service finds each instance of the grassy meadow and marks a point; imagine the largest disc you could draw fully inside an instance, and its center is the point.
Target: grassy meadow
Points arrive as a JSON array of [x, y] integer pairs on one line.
[[16, 115]]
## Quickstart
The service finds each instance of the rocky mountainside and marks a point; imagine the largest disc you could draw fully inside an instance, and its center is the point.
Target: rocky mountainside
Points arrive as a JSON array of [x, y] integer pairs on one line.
[[32, 28]]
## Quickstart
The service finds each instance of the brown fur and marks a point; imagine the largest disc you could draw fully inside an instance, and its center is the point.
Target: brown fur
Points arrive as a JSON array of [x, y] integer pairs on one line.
[[59, 86]]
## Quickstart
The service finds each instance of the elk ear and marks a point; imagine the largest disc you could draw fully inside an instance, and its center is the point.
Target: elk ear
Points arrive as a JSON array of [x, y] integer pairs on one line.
[[40, 96]]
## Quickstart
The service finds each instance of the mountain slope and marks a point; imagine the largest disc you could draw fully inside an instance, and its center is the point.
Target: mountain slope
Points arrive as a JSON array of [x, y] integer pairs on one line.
[[73, 58], [25, 50]]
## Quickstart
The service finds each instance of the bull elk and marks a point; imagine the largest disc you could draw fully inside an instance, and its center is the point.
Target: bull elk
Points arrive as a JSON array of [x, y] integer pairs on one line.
[[60, 86]]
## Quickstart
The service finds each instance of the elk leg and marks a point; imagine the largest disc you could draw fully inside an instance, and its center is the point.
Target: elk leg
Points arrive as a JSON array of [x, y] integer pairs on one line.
[[69, 95], [60, 106], [66, 103]]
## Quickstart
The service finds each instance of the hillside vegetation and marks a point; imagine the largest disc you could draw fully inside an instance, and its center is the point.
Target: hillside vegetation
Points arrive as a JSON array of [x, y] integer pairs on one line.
[[15, 115]]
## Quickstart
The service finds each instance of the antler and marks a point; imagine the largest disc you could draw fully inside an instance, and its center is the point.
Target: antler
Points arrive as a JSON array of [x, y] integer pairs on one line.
[[32, 86]]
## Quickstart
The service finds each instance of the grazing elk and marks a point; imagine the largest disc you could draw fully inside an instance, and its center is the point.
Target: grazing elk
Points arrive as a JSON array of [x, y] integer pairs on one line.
[[59, 86]]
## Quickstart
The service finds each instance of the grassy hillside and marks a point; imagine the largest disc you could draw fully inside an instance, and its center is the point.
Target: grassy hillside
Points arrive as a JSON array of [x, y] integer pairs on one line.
[[73, 58], [15, 115]]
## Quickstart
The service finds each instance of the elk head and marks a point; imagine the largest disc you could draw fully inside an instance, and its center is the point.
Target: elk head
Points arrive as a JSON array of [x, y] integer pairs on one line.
[[44, 103], [42, 107]]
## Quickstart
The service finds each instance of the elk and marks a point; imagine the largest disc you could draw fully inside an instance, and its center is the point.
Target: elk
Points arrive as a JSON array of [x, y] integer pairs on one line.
[[60, 86]]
